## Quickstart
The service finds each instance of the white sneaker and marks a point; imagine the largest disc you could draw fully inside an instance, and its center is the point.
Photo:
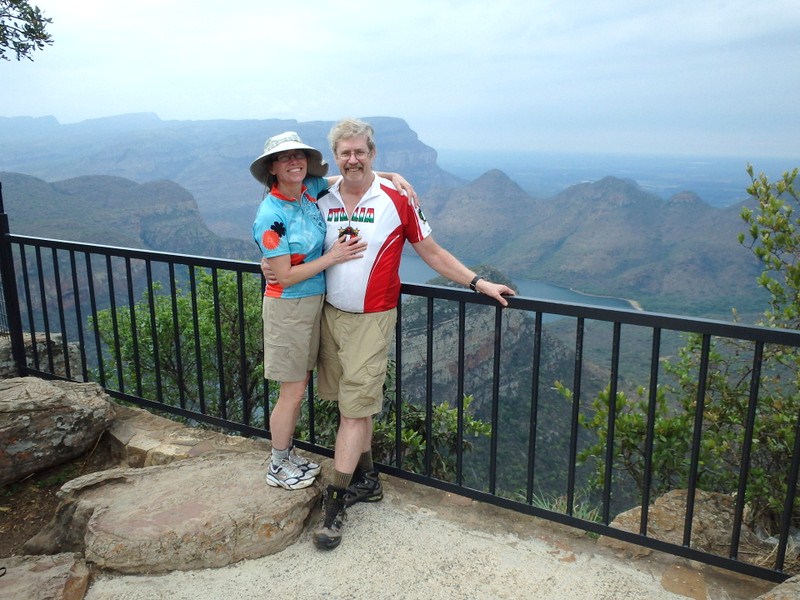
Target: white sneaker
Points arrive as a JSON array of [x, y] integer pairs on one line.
[[288, 476], [306, 466]]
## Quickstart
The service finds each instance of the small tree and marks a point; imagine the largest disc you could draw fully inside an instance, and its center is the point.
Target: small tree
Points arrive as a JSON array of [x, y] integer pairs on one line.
[[22, 29], [774, 238], [210, 378]]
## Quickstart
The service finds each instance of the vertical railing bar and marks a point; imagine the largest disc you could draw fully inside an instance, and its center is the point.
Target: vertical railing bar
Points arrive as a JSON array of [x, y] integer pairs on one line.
[[198, 357], [747, 445], [151, 301], [134, 330], [612, 419], [79, 316], [462, 325], [265, 409], [398, 366], [243, 379], [29, 305], [649, 440], [223, 407], [8, 277], [101, 371], [115, 323], [177, 334], [696, 439], [576, 400], [429, 390], [266, 399], [45, 311], [264, 396], [791, 496], [534, 416], [498, 328], [62, 321]]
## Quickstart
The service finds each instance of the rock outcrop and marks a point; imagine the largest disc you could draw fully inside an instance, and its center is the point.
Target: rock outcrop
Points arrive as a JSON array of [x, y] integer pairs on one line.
[[44, 351], [712, 524], [44, 423]]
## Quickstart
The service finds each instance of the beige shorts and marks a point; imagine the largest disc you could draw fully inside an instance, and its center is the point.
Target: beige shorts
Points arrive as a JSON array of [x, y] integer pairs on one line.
[[291, 336], [352, 359]]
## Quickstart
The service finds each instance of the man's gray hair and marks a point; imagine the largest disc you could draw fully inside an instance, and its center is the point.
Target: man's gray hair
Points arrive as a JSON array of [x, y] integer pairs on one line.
[[350, 128]]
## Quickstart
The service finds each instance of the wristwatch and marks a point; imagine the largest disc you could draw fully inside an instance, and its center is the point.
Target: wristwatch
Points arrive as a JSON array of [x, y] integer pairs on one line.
[[474, 282]]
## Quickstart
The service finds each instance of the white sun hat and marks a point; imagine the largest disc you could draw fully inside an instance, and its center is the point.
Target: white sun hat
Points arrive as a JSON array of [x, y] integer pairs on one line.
[[289, 140]]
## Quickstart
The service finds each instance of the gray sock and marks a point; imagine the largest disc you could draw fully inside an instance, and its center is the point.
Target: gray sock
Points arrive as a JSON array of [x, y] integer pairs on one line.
[[279, 455]]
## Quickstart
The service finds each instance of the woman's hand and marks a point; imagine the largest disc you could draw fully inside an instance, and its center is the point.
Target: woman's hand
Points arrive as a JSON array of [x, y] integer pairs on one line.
[[269, 275], [405, 188], [343, 250], [346, 249]]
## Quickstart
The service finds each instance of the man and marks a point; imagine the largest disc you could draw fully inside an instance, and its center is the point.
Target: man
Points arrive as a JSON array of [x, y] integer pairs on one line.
[[360, 312]]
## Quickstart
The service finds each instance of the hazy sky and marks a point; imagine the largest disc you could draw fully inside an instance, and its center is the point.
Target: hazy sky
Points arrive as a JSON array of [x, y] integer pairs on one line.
[[683, 76]]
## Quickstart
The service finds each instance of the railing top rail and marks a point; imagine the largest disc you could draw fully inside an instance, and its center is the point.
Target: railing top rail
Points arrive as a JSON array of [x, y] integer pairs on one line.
[[772, 335], [168, 257], [666, 321]]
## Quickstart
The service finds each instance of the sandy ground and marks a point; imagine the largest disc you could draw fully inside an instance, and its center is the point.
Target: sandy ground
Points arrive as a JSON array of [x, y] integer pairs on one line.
[[437, 546]]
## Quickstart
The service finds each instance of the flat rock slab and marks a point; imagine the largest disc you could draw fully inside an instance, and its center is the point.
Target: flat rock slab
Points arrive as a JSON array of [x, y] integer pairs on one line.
[[192, 514], [59, 577], [141, 439], [788, 590]]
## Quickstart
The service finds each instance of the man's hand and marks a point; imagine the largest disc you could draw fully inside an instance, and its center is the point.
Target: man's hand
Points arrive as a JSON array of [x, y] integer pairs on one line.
[[495, 290]]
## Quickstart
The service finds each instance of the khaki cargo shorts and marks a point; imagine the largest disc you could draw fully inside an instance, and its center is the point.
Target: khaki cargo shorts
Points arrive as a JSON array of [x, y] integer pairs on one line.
[[354, 348], [291, 336]]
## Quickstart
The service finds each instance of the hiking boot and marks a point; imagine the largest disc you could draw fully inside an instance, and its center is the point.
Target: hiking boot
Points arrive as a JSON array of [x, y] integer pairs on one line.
[[308, 467], [366, 487], [329, 533], [286, 475]]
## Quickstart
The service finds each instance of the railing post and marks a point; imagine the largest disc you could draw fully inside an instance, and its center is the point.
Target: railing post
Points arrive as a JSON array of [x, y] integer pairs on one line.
[[8, 279]]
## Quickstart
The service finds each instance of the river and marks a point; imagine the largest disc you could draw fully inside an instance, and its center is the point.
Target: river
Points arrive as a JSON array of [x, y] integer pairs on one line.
[[414, 270]]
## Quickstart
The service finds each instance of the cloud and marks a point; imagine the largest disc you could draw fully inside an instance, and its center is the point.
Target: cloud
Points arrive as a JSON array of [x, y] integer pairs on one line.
[[648, 77]]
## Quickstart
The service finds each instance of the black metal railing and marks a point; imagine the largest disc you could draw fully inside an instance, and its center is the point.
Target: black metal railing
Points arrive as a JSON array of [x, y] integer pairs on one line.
[[181, 334]]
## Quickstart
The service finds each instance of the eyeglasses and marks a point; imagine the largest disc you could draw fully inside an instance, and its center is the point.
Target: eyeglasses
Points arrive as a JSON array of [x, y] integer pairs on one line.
[[284, 158], [359, 154]]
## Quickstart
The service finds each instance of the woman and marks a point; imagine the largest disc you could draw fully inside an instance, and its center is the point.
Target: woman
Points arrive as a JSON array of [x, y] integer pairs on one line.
[[290, 232]]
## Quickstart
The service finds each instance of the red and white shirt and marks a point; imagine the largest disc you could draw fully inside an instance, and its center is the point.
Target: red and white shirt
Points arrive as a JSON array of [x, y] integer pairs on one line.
[[384, 219]]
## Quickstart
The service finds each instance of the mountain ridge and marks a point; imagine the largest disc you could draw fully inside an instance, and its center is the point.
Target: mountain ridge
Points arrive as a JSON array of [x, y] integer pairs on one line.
[[606, 237]]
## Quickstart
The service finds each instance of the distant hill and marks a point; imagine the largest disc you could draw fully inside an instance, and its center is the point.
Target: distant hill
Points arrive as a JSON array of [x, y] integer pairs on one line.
[[607, 237], [159, 215]]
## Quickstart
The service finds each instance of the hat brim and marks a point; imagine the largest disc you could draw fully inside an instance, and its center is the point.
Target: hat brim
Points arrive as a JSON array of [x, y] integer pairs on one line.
[[316, 164]]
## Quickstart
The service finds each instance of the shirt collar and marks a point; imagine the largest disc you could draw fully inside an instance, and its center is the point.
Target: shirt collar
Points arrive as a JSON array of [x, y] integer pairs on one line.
[[275, 191]]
